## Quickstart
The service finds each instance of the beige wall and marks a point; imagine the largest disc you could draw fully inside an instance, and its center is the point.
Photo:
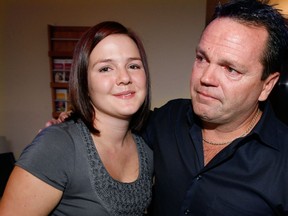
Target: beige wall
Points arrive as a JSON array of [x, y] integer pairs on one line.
[[169, 29], [282, 5]]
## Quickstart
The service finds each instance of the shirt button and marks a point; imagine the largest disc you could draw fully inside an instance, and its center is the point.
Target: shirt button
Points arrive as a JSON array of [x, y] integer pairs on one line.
[[198, 177], [187, 211]]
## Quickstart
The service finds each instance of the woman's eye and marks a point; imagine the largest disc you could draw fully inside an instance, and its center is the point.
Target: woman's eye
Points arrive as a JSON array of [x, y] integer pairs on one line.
[[134, 66], [104, 69]]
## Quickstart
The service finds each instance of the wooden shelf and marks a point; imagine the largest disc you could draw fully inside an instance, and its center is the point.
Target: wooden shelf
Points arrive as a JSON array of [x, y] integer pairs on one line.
[[58, 85], [62, 54], [61, 41]]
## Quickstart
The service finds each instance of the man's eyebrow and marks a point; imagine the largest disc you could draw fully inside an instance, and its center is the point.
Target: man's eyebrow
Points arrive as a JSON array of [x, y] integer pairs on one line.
[[229, 62], [201, 51]]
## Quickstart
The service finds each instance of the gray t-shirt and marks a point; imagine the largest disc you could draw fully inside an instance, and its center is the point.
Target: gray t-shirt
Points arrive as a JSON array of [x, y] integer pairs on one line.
[[64, 156]]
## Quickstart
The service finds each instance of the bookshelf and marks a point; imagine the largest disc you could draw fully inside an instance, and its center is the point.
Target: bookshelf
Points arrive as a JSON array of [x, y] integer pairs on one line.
[[61, 42]]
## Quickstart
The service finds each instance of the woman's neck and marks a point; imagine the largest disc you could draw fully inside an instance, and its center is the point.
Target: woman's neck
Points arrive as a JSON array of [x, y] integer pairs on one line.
[[113, 131]]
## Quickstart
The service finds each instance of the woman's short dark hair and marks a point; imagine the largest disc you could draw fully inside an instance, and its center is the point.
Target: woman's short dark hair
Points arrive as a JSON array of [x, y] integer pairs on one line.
[[81, 105]]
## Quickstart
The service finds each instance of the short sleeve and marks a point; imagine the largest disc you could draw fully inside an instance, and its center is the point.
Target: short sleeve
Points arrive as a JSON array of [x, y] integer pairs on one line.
[[50, 156]]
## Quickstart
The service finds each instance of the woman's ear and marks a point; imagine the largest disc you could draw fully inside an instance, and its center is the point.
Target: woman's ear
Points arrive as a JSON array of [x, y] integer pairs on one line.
[[269, 84]]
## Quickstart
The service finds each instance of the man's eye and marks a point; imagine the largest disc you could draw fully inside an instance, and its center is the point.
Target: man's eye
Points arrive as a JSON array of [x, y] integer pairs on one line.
[[199, 58], [232, 73], [230, 70]]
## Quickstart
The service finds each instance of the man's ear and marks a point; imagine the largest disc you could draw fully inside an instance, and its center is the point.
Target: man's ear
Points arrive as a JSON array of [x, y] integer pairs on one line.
[[268, 85]]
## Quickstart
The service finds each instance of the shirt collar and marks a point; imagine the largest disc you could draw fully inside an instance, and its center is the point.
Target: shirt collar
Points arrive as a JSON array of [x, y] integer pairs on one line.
[[267, 128]]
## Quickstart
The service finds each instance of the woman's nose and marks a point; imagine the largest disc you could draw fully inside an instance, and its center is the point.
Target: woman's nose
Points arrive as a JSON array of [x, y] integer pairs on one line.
[[123, 77]]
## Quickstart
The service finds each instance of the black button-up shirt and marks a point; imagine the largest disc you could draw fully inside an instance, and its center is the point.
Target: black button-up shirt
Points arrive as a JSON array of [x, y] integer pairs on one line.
[[248, 177]]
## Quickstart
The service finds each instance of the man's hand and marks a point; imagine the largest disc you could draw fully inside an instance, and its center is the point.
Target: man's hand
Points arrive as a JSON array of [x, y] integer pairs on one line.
[[61, 118]]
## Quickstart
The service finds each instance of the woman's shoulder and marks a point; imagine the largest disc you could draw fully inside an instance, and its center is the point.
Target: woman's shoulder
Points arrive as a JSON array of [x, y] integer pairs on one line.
[[61, 130], [55, 139]]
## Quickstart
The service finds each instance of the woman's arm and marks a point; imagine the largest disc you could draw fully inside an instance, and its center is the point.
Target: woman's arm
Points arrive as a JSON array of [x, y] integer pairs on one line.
[[26, 194]]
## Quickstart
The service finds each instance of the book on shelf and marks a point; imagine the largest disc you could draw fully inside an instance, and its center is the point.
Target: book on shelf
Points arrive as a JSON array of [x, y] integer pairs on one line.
[[62, 64], [58, 64], [60, 106], [66, 77], [61, 68], [59, 76], [67, 64], [61, 94]]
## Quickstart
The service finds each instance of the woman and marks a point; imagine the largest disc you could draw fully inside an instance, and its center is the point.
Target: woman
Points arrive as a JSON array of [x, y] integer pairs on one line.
[[94, 163]]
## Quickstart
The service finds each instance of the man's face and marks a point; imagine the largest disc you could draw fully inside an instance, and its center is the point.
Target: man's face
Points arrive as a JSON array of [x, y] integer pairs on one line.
[[226, 77]]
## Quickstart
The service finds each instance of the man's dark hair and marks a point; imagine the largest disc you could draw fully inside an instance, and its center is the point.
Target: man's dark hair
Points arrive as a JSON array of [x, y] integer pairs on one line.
[[260, 13]]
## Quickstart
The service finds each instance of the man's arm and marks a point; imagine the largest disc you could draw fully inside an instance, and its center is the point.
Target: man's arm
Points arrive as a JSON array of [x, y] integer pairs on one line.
[[61, 118]]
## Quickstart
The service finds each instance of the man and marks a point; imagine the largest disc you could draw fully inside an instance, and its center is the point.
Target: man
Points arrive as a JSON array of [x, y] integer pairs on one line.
[[226, 153]]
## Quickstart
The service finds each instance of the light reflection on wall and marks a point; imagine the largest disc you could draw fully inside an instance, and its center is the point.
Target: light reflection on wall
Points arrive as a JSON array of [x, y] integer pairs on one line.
[[282, 5]]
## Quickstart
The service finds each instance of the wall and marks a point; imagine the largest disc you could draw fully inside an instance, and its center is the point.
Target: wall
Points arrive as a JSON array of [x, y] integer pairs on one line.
[[169, 29], [282, 5]]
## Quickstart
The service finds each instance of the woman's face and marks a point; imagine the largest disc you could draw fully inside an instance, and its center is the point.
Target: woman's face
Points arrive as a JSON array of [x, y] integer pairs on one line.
[[116, 77]]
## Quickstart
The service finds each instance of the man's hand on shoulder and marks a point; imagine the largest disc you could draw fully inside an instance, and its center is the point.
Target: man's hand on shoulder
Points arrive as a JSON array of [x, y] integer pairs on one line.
[[61, 118]]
